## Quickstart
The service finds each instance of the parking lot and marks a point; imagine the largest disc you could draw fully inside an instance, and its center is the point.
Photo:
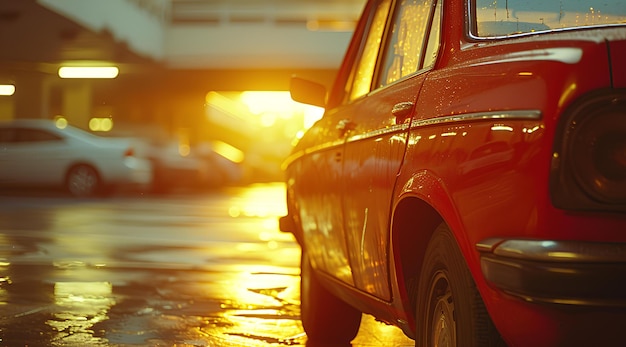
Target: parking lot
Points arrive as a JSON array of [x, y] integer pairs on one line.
[[138, 270]]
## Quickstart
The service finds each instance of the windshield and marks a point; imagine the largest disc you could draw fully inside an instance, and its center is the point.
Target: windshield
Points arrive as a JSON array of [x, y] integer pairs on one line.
[[498, 18]]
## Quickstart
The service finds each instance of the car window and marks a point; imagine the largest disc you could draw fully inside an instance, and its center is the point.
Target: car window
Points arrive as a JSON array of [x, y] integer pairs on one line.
[[497, 18], [404, 50], [363, 73], [35, 135]]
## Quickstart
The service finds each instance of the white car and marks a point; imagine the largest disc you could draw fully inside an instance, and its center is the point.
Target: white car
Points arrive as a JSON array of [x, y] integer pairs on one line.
[[41, 152]]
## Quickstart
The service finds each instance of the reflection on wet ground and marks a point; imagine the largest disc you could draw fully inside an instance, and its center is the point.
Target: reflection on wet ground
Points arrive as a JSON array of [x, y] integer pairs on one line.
[[209, 270]]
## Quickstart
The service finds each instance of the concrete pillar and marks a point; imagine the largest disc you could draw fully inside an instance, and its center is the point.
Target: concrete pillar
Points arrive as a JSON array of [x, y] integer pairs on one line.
[[76, 107], [6, 107], [31, 95]]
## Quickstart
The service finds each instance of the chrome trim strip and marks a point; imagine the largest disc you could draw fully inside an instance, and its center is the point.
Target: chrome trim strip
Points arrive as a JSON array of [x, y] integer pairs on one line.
[[379, 132], [558, 251], [324, 146], [358, 137], [294, 156], [532, 33], [507, 115], [569, 302]]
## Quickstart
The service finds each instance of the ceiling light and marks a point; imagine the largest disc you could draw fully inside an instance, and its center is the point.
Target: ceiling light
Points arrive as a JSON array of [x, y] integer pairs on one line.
[[88, 72], [7, 89]]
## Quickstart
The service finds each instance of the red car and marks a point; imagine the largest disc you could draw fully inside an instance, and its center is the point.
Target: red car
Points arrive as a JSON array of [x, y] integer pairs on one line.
[[467, 181]]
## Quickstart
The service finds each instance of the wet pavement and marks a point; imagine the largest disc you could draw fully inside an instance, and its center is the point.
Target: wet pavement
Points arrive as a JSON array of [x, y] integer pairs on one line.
[[206, 269]]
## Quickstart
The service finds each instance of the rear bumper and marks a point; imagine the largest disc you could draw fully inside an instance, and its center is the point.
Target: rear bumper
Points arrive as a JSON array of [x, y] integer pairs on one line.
[[133, 174], [140, 171], [559, 272]]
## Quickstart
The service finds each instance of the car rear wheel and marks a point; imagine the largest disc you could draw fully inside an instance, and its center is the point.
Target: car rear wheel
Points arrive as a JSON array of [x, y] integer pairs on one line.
[[82, 181], [450, 311], [325, 318]]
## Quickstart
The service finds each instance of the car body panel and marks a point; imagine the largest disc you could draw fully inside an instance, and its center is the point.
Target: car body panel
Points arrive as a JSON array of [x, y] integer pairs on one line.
[[375, 149], [372, 158], [617, 49], [478, 153], [38, 157], [320, 191]]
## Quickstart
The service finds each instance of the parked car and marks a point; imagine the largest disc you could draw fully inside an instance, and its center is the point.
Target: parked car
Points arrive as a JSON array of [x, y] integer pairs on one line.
[[177, 164], [176, 167], [44, 153], [467, 181]]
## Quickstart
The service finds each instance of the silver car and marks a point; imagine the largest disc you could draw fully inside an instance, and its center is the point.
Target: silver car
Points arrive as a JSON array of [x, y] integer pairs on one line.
[[46, 153]]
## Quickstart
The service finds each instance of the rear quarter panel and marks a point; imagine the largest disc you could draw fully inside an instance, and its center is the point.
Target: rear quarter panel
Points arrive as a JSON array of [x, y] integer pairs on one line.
[[492, 174], [496, 170]]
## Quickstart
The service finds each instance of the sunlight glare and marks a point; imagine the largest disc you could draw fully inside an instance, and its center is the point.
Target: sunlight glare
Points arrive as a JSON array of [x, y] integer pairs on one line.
[[227, 151], [272, 105], [259, 102]]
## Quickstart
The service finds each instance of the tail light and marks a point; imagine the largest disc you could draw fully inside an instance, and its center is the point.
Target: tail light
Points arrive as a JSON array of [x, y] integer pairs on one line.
[[130, 152], [589, 161]]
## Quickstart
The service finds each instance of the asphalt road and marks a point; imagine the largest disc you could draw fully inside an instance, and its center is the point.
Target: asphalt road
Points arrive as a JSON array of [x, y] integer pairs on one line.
[[206, 269]]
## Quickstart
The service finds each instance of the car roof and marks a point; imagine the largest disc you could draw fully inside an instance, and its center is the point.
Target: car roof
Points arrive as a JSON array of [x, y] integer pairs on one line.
[[29, 122], [47, 124], [40, 123]]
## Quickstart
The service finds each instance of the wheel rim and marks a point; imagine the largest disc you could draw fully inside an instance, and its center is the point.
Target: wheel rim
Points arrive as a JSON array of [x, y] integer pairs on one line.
[[441, 311], [82, 181]]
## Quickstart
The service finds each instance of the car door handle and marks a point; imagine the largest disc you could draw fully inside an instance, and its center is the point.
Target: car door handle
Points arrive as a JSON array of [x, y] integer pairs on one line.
[[402, 111], [344, 126]]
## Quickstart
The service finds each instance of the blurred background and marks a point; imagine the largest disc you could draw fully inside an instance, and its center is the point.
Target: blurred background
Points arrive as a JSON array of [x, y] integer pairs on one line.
[[203, 79], [203, 84]]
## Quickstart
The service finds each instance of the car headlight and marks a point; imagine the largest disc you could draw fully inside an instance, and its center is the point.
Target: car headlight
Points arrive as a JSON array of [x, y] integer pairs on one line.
[[589, 160]]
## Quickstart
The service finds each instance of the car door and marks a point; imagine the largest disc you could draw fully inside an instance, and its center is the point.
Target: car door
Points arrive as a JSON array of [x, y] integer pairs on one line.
[[319, 201], [375, 146], [36, 156], [320, 184]]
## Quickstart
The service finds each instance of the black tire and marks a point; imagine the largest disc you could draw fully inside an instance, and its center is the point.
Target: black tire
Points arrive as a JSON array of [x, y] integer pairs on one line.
[[450, 311], [83, 181], [325, 318]]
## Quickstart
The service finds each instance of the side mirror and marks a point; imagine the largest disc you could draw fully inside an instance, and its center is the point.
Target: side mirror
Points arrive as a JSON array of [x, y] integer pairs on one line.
[[307, 92]]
